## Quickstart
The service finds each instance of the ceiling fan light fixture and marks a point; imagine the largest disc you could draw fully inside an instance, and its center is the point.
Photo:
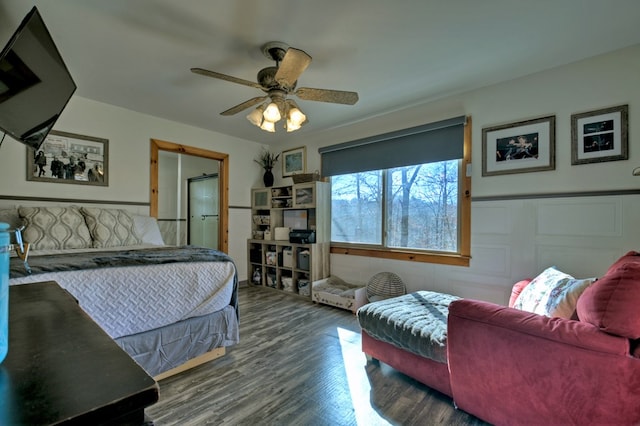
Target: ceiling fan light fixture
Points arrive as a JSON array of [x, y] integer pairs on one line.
[[296, 117], [268, 126], [291, 127], [255, 117], [272, 113]]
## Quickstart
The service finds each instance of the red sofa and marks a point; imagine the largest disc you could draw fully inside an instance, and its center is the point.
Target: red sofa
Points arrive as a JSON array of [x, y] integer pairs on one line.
[[510, 367]]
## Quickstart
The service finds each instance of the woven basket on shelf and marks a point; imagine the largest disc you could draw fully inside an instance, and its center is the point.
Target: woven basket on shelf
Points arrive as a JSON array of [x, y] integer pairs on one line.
[[306, 177]]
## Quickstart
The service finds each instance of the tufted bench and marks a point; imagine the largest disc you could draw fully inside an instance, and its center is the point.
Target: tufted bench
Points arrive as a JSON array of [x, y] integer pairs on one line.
[[409, 333]]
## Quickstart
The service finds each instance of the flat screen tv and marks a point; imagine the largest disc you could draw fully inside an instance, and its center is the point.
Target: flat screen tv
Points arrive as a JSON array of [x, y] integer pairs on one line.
[[35, 84]]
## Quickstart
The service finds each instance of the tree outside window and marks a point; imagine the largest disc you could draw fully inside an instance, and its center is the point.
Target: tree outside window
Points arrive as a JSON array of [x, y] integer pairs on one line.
[[413, 207]]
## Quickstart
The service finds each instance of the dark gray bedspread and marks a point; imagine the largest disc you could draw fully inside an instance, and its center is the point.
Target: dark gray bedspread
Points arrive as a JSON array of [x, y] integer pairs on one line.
[[416, 322], [105, 259]]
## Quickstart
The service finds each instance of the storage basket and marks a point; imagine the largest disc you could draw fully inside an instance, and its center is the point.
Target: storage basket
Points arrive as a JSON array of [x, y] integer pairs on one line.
[[306, 177]]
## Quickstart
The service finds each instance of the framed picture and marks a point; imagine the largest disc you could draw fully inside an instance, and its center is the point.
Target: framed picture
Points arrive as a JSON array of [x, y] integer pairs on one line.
[[70, 158], [601, 135], [525, 146], [294, 161]]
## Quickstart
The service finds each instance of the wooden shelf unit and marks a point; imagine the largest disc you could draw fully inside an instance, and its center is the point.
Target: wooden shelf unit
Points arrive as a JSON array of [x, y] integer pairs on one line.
[[280, 264]]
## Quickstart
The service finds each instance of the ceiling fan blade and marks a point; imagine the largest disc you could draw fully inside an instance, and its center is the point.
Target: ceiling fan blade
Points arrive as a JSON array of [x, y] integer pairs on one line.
[[251, 102], [293, 64], [214, 74], [325, 95]]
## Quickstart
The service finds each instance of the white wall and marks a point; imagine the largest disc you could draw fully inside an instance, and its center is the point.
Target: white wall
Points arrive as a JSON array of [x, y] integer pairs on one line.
[[511, 239], [517, 238], [129, 135]]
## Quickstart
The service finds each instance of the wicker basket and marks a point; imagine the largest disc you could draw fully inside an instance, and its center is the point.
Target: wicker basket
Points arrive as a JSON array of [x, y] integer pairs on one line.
[[306, 177], [385, 285]]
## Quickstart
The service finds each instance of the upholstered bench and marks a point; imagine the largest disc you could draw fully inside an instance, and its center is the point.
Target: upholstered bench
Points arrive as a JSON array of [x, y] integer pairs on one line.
[[409, 333]]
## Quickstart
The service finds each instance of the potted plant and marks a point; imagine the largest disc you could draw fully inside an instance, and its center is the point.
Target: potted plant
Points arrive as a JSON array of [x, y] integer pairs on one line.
[[267, 160]]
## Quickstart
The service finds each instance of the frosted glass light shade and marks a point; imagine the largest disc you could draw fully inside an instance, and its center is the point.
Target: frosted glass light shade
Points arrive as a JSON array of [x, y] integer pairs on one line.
[[291, 126], [255, 117], [296, 117], [269, 126], [272, 113]]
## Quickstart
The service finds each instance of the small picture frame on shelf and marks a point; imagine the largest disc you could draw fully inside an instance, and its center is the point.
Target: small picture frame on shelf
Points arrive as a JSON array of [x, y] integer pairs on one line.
[[600, 135]]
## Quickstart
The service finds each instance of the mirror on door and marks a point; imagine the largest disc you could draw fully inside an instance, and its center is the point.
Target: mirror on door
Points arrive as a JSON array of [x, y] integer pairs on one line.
[[188, 199]]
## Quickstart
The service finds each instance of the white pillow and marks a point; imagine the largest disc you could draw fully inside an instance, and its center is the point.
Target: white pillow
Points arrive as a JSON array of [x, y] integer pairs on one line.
[[148, 230], [552, 293]]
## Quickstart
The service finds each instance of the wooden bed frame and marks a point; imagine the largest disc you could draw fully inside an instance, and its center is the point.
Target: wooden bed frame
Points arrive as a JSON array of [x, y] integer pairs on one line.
[[192, 363]]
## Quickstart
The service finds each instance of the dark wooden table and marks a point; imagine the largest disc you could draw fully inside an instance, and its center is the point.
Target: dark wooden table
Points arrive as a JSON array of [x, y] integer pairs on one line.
[[62, 368]]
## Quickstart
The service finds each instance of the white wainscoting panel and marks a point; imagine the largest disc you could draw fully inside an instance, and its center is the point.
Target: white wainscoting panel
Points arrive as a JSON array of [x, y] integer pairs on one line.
[[491, 260], [581, 262], [490, 219], [516, 239], [589, 216], [479, 291]]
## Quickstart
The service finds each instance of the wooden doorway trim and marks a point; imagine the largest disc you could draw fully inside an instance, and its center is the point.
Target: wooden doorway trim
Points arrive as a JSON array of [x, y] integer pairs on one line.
[[223, 174]]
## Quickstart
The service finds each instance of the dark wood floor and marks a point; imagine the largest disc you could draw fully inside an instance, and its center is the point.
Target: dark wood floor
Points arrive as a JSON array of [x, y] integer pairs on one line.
[[298, 363]]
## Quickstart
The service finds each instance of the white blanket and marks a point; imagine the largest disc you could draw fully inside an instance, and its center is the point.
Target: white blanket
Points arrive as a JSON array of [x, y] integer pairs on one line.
[[133, 299]]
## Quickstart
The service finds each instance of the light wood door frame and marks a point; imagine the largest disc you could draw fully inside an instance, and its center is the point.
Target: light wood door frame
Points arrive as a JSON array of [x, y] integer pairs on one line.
[[223, 174]]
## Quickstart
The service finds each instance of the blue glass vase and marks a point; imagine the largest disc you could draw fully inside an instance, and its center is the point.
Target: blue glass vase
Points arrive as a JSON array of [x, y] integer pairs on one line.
[[4, 290]]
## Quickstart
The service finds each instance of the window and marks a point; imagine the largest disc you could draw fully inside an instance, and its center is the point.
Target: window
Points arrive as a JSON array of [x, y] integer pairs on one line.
[[416, 212]]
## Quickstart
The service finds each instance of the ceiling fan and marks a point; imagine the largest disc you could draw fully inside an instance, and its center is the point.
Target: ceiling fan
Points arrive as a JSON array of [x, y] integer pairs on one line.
[[278, 82]]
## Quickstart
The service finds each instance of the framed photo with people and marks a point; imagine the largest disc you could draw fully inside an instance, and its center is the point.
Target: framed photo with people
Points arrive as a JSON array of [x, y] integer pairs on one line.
[[70, 158]]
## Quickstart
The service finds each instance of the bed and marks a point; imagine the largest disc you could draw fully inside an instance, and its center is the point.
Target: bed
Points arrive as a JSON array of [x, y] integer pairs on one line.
[[170, 308]]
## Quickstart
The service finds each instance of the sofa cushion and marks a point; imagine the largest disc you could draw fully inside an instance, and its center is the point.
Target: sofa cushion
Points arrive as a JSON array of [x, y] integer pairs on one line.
[[553, 293], [517, 289], [111, 227], [629, 257], [54, 228], [611, 304]]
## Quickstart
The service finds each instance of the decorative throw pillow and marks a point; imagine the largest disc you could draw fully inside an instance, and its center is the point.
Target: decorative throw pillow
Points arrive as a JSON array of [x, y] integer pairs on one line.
[[53, 228], [611, 304], [111, 227], [148, 230], [11, 217], [552, 293], [517, 289]]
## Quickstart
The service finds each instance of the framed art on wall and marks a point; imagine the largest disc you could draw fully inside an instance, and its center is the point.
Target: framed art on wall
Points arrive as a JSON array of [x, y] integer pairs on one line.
[[600, 135], [294, 161], [70, 158], [524, 146]]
